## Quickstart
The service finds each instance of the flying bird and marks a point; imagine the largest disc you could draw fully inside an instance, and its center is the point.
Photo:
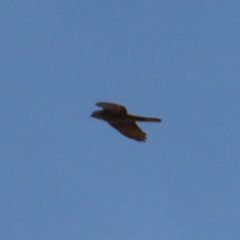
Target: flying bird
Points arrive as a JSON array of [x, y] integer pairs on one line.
[[119, 118]]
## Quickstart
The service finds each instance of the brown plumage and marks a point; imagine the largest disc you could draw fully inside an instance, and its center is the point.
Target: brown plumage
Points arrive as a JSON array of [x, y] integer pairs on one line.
[[118, 117]]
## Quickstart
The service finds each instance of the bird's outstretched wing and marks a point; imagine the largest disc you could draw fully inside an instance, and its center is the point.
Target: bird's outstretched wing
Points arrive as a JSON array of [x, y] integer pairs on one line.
[[112, 107], [131, 130]]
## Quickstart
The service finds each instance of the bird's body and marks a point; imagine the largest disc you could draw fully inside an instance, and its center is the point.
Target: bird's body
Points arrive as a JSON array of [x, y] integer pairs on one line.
[[118, 117]]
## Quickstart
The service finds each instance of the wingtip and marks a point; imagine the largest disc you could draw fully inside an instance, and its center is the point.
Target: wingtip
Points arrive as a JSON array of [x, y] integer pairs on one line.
[[97, 104], [101, 104]]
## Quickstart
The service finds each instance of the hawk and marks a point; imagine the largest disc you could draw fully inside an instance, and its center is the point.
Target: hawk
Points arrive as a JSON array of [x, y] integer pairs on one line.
[[119, 118]]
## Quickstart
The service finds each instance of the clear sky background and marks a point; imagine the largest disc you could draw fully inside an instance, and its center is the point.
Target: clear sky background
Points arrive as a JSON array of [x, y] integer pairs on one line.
[[65, 175]]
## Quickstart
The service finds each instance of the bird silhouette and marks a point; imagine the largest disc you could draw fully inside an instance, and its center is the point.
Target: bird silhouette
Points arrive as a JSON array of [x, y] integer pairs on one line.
[[119, 118]]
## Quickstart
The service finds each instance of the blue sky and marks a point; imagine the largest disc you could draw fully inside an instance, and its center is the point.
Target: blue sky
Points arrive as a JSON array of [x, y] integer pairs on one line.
[[65, 175]]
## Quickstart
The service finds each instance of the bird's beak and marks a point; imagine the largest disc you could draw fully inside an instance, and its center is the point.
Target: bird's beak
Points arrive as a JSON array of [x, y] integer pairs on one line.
[[94, 114]]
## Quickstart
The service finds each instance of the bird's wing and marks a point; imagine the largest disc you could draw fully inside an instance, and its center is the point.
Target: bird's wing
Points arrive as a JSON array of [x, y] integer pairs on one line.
[[131, 130], [113, 107]]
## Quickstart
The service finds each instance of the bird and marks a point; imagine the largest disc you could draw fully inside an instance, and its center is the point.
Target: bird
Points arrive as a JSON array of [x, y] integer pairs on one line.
[[119, 118]]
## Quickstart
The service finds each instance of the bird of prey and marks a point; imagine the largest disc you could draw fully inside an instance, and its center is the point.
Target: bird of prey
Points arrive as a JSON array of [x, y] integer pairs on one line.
[[118, 117]]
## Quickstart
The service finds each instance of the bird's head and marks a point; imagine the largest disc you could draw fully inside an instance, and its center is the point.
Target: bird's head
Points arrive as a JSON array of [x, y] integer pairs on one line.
[[97, 114]]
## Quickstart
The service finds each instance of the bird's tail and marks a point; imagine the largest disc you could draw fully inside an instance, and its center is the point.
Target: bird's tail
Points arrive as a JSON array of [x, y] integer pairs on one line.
[[146, 119]]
